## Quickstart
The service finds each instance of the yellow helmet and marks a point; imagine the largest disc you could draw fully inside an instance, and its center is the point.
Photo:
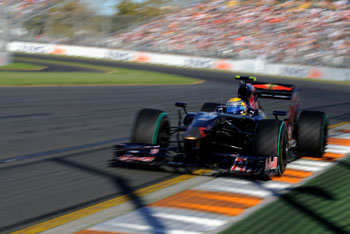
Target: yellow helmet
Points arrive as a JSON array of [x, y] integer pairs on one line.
[[236, 106]]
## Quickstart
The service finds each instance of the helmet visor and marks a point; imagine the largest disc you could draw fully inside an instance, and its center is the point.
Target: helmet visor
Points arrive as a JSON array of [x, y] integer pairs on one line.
[[235, 108]]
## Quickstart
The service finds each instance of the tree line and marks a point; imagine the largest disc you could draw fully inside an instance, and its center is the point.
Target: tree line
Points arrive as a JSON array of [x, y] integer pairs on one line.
[[76, 19]]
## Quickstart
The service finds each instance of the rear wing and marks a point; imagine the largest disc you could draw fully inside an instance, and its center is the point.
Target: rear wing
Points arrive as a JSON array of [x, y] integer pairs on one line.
[[275, 91], [269, 90]]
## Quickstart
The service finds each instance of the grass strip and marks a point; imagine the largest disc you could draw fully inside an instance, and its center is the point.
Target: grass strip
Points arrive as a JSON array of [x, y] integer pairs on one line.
[[122, 77], [70, 64], [21, 66], [290, 78], [110, 76], [320, 206]]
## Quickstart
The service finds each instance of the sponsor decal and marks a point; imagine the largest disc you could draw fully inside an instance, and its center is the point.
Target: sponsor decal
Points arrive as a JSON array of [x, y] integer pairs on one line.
[[154, 151], [273, 87], [58, 50], [127, 158], [314, 73], [271, 163], [142, 58], [222, 65], [240, 165], [201, 130], [33, 48], [294, 71], [119, 55], [199, 63]]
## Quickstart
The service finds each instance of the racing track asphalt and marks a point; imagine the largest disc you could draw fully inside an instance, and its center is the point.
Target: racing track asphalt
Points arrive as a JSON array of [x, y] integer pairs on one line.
[[44, 119]]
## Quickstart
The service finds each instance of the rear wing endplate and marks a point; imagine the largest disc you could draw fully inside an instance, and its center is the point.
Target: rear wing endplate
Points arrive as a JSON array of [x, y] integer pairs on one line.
[[245, 79]]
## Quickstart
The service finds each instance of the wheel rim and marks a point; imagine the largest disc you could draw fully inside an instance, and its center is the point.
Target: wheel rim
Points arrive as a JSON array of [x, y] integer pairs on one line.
[[164, 136], [324, 136], [283, 154]]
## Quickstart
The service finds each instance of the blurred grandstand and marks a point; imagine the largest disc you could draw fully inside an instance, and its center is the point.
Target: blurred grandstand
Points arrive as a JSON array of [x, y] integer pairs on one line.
[[313, 33], [294, 32]]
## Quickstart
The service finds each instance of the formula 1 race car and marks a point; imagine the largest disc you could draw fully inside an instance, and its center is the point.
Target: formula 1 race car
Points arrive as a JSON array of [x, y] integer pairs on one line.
[[217, 138]]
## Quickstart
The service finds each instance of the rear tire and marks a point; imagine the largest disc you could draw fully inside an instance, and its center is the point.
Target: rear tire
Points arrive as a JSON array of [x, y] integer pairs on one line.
[[151, 127], [271, 139], [312, 132], [209, 106]]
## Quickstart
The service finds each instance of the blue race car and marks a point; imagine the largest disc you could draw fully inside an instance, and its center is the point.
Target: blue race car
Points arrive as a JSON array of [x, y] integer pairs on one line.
[[235, 137]]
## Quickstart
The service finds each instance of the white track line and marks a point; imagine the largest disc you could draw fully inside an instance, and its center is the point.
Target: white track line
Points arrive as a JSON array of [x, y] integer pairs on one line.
[[343, 136], [191, 219], [234, 181], [339, 149], [276, 185], [252, 192], [304, 168], [258, 189], [139, 228], [305, 162]]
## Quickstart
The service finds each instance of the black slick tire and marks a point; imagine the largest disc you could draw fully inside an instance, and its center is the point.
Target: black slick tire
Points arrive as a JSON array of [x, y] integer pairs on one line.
[[151, 127], [312, 132], [271, 139]]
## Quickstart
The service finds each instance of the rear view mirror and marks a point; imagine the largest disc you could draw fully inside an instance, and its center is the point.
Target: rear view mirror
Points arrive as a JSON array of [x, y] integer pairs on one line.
[[181, 104], [279, 113]]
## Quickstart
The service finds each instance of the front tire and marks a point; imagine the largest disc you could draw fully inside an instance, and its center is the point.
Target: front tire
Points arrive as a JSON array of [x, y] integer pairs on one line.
[[271, 139], [151, 127]]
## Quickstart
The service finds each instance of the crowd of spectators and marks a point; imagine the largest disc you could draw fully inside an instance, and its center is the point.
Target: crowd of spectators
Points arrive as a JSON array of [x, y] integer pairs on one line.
[[311, 32], [295, 32], [20, 9]]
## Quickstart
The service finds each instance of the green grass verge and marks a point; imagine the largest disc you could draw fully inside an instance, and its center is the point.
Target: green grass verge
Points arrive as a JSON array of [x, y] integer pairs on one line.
[[320, 206], [69, 64], [121, 77], [21, 66], [290, 78], [108, 76]]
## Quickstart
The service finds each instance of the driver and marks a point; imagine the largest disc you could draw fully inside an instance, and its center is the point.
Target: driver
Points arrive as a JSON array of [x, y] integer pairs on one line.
[[236, 106]]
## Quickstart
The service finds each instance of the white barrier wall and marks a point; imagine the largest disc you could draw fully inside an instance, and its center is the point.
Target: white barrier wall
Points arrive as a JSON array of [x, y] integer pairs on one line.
[[248, 66], [5, 58]]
